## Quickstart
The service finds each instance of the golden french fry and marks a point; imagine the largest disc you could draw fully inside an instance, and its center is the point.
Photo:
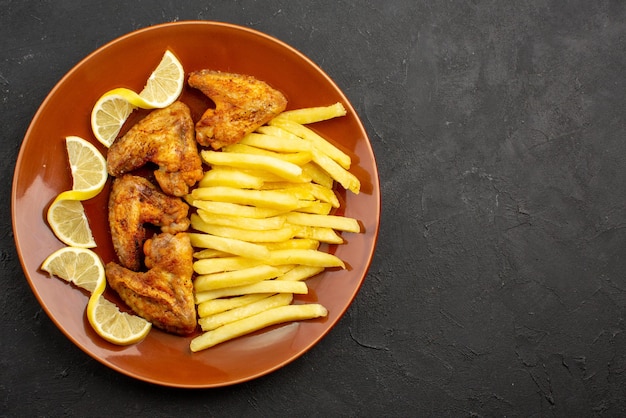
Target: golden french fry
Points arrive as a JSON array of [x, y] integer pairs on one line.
[[326, 235], [300, 273], [340, 223], [305, 257], [348, 180], [225, 176], [304, 191], [317, 174], [276, 143], [243, 222], [274, 165], [316, 207], [253, 236], [214, 321], [298, 158], [234, 209], [229, 245], [256, 322], [318, 142], [293, 244], [273, 199], [210, 253], [266, 286], [314, 114], [235, 278], [220, 264], [278, 132], [214, 306]]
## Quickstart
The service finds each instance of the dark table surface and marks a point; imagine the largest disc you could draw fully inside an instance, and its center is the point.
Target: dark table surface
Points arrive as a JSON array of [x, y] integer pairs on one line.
[[498, 287]]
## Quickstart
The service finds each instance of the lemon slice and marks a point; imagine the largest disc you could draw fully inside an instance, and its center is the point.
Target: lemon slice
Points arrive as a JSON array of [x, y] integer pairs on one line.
[[88, 167], [68, 221], [165, 83], [80, 266], [108, 115], [113, 325], [162, 88]]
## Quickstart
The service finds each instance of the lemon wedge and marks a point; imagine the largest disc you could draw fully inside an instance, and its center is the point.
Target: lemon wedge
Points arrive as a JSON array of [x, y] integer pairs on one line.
[[162, 89], [88, 167], [79, 266], [113, 325], [69, 223]]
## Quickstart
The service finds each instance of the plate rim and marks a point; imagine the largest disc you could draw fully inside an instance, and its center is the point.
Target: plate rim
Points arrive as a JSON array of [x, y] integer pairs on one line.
[[20, 161]]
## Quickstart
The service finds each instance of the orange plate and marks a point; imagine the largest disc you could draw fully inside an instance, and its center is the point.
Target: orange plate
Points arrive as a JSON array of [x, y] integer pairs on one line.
[[42, 172]]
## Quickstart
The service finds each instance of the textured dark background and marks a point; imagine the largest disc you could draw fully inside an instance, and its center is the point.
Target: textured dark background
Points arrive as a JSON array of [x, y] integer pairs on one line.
[[498, 287]]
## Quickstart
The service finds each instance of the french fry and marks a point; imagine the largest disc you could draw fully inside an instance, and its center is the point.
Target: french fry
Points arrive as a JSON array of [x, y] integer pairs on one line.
[[274, 165], [256, 322], [210, 253], [215, 306], [209, 323], [305, 191], [235, 278], [341, 223], [253, 236], [234, 209], [304, 257], [276, 143], [314, 114], [243, 222], [318, 142], [266, 286], [273, 199], [229, 245], [326, 235], [221, 264], [300, 273], [293, 244], [348, 180], [298, 158], [229, 177], [316, 207], [317, 174]]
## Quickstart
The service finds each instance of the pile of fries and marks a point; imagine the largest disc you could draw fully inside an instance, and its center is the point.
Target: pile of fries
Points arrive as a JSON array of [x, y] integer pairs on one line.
[[262, 211]]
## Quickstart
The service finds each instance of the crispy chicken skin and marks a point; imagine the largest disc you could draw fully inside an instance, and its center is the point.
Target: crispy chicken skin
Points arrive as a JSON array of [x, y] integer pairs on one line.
[[242, 104], [163, 295], [165, 137], [134, 201]]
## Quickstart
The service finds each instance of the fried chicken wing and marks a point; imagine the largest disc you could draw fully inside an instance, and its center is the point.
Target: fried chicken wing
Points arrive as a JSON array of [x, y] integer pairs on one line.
[[134, 201], [165, 137], [242, 104], [163, 295]]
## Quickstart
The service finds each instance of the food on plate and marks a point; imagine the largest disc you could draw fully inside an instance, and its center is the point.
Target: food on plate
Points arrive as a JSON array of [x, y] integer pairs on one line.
[[163, 295], [166, 138], [262, 213], [242, 104], [113, 108], [134, 202]]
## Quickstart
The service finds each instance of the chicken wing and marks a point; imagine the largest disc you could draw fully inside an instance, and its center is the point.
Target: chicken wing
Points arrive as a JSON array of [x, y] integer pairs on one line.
[[134, 201], [164, 294], [165, 137], [242, 104]]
